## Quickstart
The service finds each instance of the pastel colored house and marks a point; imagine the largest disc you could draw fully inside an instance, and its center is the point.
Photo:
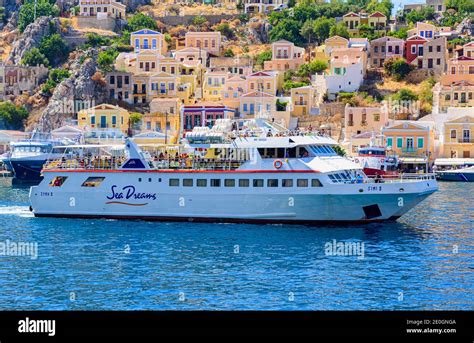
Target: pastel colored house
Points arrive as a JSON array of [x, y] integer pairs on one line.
[[437, 5], [384, 48], [214, 83], [191, 54], [147, 39], [261, 6], [209, 41], [265, 81], [264, 105], [335, 42], [234, 88], [120, 86], [347, 70], [303, 100], [99, 8], [234, 65], [285, 56], [203, 114], [364, 119], [435, 55], [104, 116], [376, 20], [454, 91], [146, 61], [459, 137], [414, 49], [463, 65], [424, 30], [413, 141], [163, 84]]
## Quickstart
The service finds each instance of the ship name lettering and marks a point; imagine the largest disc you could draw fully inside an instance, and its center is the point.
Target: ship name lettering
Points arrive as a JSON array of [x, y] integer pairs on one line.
[[129, 192]]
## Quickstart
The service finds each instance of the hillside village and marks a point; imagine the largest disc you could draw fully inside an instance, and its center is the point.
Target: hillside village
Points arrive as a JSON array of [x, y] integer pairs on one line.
[[156, 69]]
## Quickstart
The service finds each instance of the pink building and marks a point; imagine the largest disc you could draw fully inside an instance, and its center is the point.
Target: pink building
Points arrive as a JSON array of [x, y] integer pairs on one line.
[[285, 56]]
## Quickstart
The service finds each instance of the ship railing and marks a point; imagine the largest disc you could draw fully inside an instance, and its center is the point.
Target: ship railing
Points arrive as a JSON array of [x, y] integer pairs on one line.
[[85, 163], [404, 177], [198, 163]]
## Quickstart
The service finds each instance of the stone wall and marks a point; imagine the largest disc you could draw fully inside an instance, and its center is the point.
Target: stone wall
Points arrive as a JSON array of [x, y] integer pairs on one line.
[[109, 24], [188, 19]]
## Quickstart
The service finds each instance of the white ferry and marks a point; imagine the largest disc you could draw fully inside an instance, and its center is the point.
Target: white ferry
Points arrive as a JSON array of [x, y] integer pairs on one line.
[[288, 179]]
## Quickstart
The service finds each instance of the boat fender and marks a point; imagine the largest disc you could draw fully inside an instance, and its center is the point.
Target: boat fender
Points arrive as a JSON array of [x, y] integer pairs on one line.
[[278, 164]]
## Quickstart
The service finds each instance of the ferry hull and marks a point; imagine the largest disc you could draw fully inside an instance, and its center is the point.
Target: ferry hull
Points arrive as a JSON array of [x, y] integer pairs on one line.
[[351, 203]]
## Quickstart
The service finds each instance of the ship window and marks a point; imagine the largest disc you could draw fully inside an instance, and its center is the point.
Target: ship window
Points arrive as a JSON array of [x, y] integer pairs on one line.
[[57, 181], [302, 182], [272, 183], [215, 182], [258, 182], [287, 182], [187, 182], [201, 182], [229, 182], [316, 183], [174, 182], [244, 183], [93, 181], [332, 177]]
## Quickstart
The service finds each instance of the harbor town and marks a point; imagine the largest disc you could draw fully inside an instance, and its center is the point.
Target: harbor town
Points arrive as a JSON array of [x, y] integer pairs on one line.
[[297, 155]]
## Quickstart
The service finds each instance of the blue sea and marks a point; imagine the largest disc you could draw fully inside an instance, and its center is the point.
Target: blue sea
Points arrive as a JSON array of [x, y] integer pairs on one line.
[[422, 262]]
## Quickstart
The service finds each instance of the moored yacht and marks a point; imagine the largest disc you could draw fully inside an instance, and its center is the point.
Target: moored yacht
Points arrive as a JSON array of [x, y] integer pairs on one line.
[[257, 179]]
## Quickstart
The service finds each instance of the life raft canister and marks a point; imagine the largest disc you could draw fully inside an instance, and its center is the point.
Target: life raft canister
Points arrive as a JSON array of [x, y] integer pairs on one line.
[[278, 164]]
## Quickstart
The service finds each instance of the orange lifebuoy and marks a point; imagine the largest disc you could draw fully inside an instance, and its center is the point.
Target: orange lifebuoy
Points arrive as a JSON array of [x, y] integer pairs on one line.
[[278, 164]]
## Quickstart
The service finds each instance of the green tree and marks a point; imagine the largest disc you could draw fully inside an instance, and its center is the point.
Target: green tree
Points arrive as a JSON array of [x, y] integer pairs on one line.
[[135, 118], [12, 116], [55, 77], [424, 14], [308, 69], [34, 57], [340, 29], [263, 56], [199, 20], [399, 68], [460, 6], [141, 21], [405, 94], [382, 6], [55, 48], [26, 14], [229, 53], [106, 60], [95, 40], [401, 33], [293, 84], [225, 30], [339, 150]]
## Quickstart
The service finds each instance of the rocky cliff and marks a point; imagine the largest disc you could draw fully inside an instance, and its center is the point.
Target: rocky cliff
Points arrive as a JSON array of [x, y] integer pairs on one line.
[[132, 5], [32, 36], [81, 89]]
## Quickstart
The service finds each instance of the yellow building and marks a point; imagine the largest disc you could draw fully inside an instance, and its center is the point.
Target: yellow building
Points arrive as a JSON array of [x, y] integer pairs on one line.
[[148, 40], [214, 83], [104, 116], [303, 100], [376, 20], [413, 141], [163, 85], [270, 82], [334, 42], [459, 137]]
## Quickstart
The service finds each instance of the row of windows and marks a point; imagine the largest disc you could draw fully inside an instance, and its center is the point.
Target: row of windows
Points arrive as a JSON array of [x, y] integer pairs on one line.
[[245, 182]]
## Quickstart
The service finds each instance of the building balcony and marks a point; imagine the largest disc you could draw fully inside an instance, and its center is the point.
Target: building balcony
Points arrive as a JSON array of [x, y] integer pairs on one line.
[[461, 141], [301, 103]]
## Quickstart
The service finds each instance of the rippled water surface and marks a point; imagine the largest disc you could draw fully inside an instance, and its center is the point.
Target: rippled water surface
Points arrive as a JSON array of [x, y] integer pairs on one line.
[[424, 261]]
